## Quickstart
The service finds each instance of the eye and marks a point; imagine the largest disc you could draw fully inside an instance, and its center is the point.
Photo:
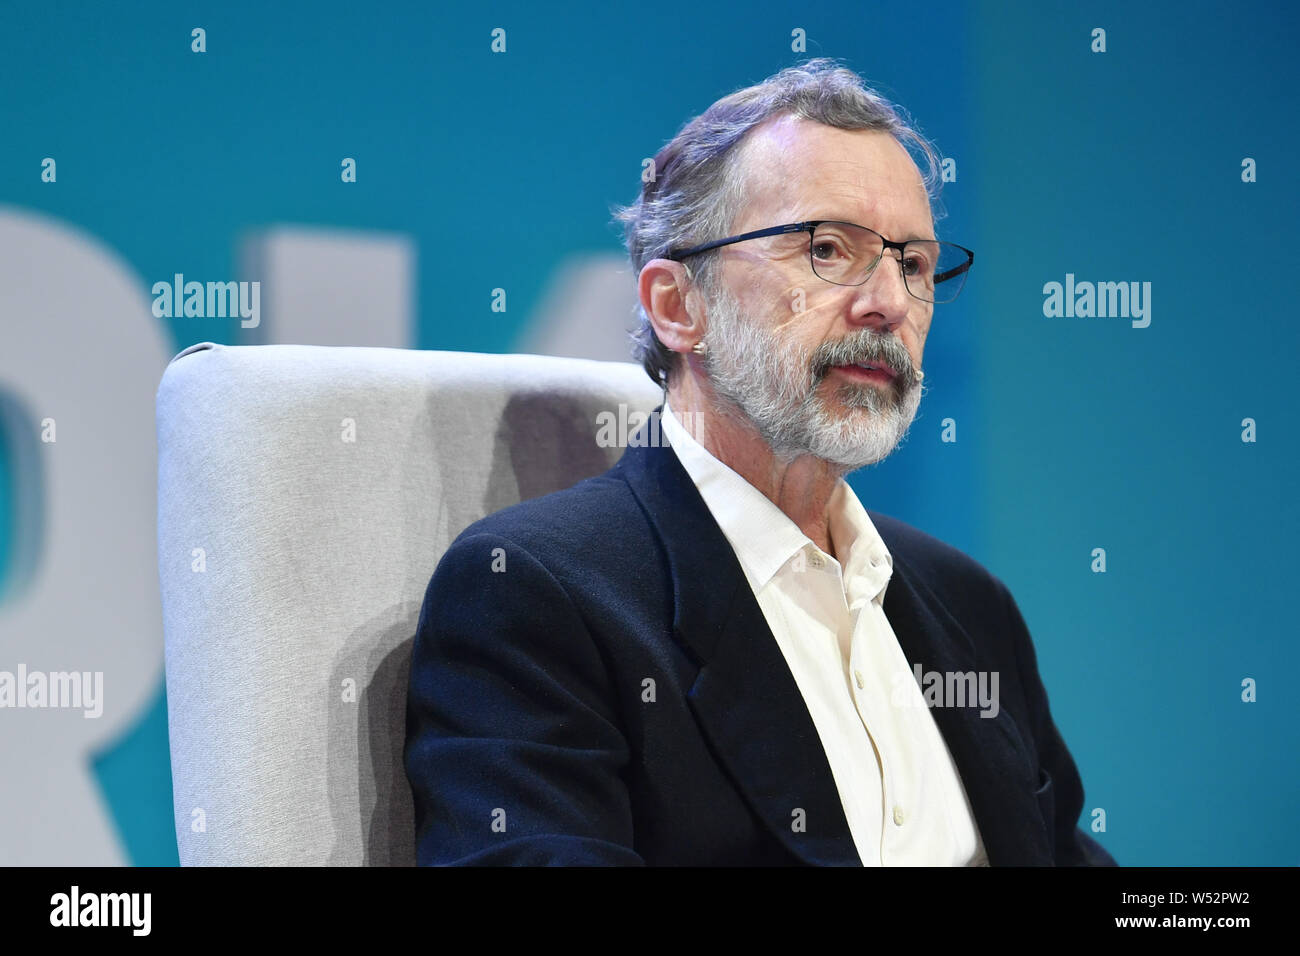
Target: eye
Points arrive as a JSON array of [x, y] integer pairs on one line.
[[830, 247], [914, 265]]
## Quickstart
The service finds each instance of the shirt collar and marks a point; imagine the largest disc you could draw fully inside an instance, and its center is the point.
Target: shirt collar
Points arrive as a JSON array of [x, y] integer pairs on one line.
[[865, 559], [763, 536]]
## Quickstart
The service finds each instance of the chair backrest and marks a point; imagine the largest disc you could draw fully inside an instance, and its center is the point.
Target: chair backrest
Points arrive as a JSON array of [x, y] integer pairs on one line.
[[305, 496]]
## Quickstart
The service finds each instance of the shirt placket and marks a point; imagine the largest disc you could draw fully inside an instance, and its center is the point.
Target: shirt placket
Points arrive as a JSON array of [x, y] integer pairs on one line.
[[872, 700], [865, 694]]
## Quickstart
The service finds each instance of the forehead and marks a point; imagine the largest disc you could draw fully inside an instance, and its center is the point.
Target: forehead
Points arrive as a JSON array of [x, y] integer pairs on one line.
[[797, 169]]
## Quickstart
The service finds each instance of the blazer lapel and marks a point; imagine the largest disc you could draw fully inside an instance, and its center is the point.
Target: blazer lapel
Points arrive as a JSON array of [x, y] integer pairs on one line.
[[992, 757], [744, 696]]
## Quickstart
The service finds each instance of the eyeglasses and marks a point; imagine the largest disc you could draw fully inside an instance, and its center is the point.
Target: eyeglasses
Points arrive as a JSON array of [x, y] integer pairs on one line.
[[846, 254]]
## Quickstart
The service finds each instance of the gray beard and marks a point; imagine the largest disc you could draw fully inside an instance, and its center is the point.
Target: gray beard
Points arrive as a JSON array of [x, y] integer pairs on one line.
[[773, 386]]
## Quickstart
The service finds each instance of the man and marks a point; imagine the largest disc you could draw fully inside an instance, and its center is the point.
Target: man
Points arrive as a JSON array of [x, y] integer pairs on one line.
[[705, 655]]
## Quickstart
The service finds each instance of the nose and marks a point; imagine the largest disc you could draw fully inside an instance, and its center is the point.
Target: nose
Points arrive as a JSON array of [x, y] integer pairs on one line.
[[883, 301]]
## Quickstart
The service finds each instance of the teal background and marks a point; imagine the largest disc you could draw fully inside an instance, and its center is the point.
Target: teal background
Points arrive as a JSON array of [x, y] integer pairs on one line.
[[1072, 433]]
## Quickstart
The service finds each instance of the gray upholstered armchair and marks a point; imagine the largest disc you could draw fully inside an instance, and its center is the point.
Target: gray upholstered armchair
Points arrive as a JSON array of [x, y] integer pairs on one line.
[[305, 495]]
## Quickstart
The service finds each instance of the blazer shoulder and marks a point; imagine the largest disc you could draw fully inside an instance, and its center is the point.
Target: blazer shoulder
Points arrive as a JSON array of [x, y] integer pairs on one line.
[[969, 590], [935, 560], [596, 522]]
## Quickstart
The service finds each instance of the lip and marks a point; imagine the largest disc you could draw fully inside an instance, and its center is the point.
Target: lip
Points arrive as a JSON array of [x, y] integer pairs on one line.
[[884, 375]]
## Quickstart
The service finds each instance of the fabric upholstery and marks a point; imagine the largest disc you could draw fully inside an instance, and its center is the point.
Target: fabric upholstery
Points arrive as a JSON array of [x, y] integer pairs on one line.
[[293, 562]]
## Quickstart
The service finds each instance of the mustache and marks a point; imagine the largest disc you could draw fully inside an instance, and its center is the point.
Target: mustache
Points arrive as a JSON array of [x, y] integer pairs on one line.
[[863, 347]]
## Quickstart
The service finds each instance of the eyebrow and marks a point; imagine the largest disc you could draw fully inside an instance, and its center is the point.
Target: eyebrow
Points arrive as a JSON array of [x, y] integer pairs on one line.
[[933, 238]]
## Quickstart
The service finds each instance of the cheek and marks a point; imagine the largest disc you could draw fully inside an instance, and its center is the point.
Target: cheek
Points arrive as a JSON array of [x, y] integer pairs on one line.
[[922, 329], [786, 310]]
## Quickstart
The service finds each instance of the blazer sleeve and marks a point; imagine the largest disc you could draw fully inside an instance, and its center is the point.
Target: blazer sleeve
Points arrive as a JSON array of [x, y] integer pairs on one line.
[[1060, 792], [513, 748]]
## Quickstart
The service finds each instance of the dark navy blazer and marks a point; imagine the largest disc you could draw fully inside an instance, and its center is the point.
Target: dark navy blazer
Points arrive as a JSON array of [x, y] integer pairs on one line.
[[593, 682]]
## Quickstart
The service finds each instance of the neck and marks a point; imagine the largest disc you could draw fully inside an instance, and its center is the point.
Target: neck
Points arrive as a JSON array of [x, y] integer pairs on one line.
[[801, 488]]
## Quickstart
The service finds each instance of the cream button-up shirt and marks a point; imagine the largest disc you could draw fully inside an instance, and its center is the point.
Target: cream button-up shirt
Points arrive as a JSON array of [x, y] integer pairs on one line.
[[902, 795]]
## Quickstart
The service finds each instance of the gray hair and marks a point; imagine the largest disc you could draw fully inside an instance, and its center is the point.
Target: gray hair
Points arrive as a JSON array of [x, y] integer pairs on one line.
[[697, 187]]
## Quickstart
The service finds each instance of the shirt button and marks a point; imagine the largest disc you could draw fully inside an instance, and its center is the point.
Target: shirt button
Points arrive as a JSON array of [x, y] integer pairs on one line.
[[857, 675], [898, 815], [816, 560]]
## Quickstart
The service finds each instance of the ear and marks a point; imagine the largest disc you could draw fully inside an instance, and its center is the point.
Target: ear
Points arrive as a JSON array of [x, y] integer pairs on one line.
[[672, 303]]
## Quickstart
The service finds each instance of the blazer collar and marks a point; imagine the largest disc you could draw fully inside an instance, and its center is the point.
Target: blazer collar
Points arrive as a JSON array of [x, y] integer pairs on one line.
[[749, 706]]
